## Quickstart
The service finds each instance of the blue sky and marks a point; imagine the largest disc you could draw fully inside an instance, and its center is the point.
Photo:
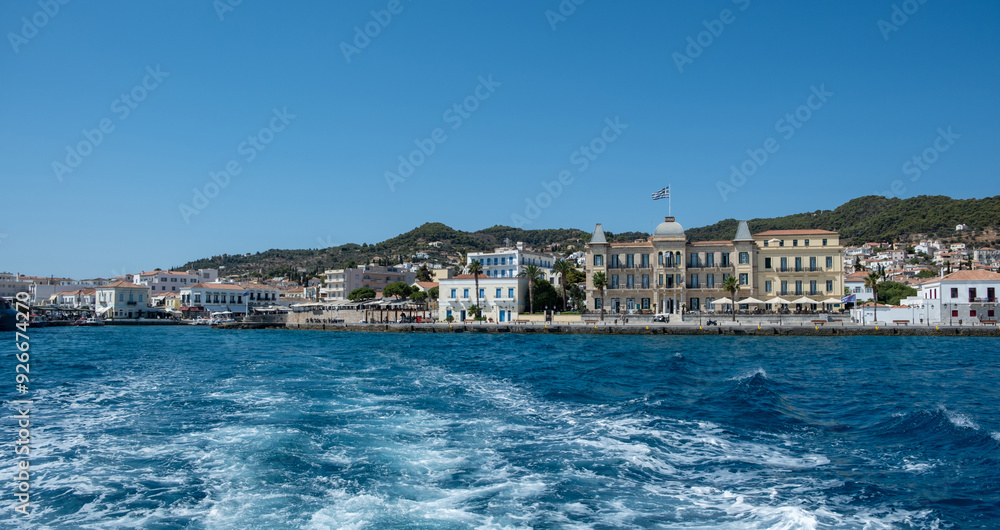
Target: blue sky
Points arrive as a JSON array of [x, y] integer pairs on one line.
[[310, 118]]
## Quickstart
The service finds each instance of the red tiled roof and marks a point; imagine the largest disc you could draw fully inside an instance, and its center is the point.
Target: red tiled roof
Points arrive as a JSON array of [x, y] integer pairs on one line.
[[123, 285]]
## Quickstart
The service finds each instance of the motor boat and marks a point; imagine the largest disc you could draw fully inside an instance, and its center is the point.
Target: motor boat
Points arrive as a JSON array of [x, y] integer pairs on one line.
[[89, 322], [8, 316]]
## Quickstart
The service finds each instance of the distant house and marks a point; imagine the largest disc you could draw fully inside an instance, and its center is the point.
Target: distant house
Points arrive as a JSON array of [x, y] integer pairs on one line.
[[500, 298], [855, 283], [961, 227]]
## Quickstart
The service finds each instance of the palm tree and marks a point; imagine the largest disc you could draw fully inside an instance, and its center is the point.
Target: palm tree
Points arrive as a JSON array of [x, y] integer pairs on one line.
[[563, 267], [600, 282], [732, 284], [475, 267], [871, 282], [531, 272]]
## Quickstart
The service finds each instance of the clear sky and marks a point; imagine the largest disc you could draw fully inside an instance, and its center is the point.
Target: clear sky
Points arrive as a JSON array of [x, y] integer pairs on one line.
[[309, 113]]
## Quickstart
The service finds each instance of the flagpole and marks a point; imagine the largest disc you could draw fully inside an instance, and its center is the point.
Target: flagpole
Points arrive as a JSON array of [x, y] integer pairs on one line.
[[669, 200]]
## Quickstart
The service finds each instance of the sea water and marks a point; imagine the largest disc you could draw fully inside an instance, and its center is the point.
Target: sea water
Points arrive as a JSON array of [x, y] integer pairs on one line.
[[188, 427]]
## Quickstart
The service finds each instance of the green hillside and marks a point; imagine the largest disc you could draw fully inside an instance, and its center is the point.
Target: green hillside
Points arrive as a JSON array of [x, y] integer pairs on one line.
[[871, 218]]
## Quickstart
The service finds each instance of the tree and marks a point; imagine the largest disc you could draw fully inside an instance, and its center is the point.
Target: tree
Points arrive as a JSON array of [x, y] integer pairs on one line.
[[397, 289], [419, 296], [361, 293], [424, 274], [926, 274], [546, 294], [475, 268], [474, 311], [563, 267], [352, 264], [531, 272], [577, 295], [577, 276], [892, 293], [600, 282], [434, 292], [872, 282], [732, 284]]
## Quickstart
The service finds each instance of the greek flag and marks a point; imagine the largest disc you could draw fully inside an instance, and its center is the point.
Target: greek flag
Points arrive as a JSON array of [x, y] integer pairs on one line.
[[849, 298], [246, 293], [662, 194]]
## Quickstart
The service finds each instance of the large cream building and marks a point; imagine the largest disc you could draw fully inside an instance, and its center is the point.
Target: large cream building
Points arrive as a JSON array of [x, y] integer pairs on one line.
[[666, 272]]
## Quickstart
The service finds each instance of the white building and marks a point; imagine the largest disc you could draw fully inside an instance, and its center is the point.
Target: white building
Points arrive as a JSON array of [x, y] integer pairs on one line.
[[11, 284], [340, 282], [508, 262], [232, 297], [122, 299], [77, 299], [501, 299], [960, 298], [174, 281], [855, 283]]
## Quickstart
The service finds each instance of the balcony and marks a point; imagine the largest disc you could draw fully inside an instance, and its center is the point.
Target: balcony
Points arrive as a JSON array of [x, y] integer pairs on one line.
[[130, 303]]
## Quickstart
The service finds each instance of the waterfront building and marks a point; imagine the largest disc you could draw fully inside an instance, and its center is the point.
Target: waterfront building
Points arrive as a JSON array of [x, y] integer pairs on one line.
[[340, 282], [11, 284], [174, 281], [960, 297], [508, 262], [855, 283], [233, 297], [501, 299], [666, 273], [122, 299], [77, 299]]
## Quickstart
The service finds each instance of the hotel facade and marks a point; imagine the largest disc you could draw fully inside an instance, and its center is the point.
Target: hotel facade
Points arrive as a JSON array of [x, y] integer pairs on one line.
[[667, 273]]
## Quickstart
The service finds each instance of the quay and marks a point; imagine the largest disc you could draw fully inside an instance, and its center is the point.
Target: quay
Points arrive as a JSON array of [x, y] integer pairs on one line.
[[609, 328]]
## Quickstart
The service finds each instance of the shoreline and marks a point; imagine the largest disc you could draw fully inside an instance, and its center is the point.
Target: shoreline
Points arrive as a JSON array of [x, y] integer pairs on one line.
[[641, 329]]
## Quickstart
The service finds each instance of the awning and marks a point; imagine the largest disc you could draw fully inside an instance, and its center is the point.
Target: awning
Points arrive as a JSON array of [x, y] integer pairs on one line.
[[750, 300], [804, 300], [779, 300], [722, 301], [102, 310]]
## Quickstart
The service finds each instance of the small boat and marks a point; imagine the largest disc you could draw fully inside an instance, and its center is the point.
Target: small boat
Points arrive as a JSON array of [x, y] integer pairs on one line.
[[201, 321], [8, 316], [38, 321], [222, 317], [91, 322]]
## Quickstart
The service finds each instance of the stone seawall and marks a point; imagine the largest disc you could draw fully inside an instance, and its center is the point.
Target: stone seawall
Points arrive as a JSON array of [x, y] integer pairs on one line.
[[642, 329]]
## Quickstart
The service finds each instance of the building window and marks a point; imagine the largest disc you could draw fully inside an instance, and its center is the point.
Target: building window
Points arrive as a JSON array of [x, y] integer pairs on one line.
[[630, 260], [725, 259], [954, 313], [795, 242], [694, 260], [482, 293], [744, 278], [614, 281], [812, 286], [645, 261], [798, 264], [829, 286], [954, 292], [598, 303], [767, 286], [645, 303], [824, 242], [710, 259], [972, 312], [499, 290], [630, 281], [765, 244], [710, 304], [784, 264], [972, 294], [781, 242], [829, 262], [784, 287], [812, 263], [807, 242], [798, 286], [744, 258], [645, 281], [453, 296], [465, 293], [694, 281], [510, 292], [614, 261], [710, 281], [598, 260], [695, 305], [767, 263]]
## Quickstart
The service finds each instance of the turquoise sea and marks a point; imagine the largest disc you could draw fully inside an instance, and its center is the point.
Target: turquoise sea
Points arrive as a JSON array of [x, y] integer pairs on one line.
[[197, 428]]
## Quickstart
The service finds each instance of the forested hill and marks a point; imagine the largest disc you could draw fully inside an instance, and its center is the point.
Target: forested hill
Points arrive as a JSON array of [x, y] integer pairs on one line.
[[871, 218], [876, 218]]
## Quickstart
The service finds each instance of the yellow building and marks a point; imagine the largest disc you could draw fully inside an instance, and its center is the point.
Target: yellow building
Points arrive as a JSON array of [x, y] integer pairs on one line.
[[666, 273]]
